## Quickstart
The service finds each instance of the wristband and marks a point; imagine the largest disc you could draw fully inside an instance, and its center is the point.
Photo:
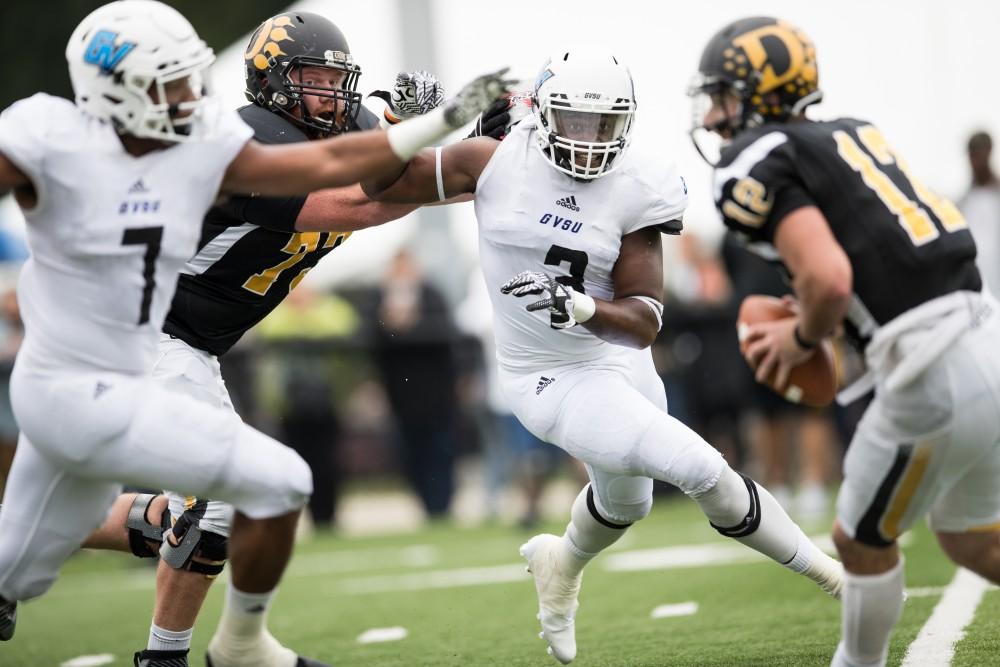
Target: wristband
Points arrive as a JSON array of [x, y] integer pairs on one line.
[[407, 138], [584, 307], [802, 342]]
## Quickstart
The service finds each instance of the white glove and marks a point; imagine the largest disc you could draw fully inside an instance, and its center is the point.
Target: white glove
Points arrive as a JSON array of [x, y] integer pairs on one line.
[[414, 94], [475, 97], [566, 306]]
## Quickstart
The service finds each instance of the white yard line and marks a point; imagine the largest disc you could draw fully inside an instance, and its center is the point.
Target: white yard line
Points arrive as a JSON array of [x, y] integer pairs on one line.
[[90, 660], [674, 610], [380, 635], [935, 645]]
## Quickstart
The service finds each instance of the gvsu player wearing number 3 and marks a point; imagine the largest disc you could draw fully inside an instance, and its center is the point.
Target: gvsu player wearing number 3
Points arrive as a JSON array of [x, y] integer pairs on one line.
[[568, 216], [867, 244], [114, 189]]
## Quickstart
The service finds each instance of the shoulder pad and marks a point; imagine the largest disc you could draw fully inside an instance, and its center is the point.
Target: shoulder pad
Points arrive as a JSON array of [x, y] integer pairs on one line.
[[366, 120], [269, 127]]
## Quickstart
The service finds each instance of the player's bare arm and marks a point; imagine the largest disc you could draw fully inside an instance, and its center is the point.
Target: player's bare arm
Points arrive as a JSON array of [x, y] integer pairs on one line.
[[12, 178], [822, 283], [631, 319], [417, 183], [291, 169], [346, 210]]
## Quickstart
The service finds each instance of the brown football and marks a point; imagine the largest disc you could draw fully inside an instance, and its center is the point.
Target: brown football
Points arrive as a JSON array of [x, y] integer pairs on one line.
[[813, 382]]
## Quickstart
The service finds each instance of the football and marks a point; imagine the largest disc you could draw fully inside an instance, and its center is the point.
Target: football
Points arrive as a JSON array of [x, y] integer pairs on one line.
[[814, 382]]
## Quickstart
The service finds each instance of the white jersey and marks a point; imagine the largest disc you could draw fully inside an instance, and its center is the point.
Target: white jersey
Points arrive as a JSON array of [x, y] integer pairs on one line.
[[110, 232], [532, 217]]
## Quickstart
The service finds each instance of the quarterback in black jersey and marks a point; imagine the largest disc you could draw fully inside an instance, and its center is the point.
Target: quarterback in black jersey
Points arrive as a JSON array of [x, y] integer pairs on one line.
[[866, 245], [301, 81]]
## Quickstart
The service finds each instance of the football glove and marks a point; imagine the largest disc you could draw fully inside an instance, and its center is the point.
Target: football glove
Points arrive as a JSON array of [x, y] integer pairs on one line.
[[557, 298], [414, 94], [492, 122], [476, 96]]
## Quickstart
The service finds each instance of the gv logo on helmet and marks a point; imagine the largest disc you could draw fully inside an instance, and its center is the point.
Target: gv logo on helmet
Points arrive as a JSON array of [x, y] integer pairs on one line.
[[777, 68], [103, 52], [265, 45]]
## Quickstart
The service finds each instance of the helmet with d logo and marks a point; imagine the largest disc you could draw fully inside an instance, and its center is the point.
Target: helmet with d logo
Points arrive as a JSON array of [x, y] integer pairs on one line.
[[766, 65]]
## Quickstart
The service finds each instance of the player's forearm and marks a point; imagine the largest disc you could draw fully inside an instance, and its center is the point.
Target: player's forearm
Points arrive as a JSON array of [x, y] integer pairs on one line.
[[346, 210], [823, 301], [627, 322]]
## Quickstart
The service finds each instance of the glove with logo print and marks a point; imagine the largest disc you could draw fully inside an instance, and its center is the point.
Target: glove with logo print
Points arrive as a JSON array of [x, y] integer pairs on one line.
[[414, 94], [566, 306]]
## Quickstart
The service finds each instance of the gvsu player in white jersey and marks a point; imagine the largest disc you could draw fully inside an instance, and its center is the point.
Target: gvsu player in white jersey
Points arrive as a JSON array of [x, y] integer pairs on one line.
[[577, 220], [240, 273], [114, 189], [869, 247]]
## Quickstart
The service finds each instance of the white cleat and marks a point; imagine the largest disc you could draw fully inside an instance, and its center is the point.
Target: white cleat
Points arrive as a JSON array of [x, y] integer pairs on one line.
[[557, 594]]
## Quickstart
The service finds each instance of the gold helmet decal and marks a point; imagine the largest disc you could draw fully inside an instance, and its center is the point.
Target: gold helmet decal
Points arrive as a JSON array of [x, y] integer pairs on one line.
[[782, 55], [266, 41]]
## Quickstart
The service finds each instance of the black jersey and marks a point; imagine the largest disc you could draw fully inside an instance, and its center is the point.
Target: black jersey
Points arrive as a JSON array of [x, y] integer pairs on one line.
[[905, 244], [250, 255]]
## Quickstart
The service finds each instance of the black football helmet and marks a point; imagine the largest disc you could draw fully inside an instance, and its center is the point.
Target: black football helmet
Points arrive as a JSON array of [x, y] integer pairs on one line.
[[292, 40], [765, 65]]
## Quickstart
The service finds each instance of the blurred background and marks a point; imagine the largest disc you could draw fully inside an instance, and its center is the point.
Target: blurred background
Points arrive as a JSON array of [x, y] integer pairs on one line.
[[379, 367]]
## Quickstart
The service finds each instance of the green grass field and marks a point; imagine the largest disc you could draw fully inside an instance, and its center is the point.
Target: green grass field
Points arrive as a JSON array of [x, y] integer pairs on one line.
[[750, 613]]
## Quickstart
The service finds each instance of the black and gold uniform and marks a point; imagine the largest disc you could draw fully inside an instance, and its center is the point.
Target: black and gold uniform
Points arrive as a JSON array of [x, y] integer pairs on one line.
[[250, 255], [905, 244]]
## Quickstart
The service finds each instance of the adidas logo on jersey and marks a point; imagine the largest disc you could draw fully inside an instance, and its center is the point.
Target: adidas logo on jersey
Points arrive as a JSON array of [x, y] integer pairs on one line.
[[568, 202], [137, 188], [543, 382], [100, 389]]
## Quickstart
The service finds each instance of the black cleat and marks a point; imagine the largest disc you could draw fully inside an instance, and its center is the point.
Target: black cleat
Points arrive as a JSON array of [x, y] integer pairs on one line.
[[8, 619], [301, 662], [150, 658]]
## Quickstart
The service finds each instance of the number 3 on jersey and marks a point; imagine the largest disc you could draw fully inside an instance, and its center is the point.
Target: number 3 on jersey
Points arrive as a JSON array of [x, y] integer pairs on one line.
[[577, 259], [912, 216]]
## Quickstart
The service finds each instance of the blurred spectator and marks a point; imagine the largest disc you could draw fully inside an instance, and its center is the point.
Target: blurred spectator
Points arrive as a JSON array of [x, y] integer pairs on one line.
[[414, 338], [309, 422], [704, 375], [11, 333], [981, 207]]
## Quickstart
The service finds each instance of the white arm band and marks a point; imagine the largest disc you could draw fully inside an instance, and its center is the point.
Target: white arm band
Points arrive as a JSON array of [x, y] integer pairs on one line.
[[437, 173], [584, 306], [654, 306], [408, 137]]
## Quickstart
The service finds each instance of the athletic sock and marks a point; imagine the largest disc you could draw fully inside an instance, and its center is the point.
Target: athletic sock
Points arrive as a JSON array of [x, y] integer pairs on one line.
[[588, 533], [168, 640], [740, 508], [871, 607]]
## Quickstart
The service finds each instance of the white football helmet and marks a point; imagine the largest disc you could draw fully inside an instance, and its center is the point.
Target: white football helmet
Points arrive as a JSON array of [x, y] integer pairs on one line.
[[124, 57], [584, 106]]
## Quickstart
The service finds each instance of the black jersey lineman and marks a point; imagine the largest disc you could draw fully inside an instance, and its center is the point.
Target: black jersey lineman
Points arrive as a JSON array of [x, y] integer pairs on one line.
[[905, 244], [249, 256]]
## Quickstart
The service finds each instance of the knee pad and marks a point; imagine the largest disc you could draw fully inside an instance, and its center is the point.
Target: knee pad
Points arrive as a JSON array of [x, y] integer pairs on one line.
[[144, 538], [751, 521], [188, 547], [621, 503]]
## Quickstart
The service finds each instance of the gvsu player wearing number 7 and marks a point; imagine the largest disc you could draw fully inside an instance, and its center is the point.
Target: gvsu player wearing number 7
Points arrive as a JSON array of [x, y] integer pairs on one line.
[[577, 221], [114, 189], [866, 244]]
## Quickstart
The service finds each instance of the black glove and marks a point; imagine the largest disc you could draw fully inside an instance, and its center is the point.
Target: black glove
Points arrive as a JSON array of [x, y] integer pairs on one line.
[[493, 122], [557, 298]]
